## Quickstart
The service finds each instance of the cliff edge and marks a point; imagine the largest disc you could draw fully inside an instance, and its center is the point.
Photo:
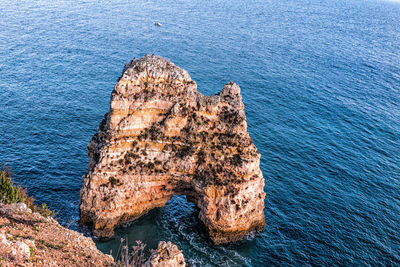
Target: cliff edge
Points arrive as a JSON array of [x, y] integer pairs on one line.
[[161, 138], [29, 239]]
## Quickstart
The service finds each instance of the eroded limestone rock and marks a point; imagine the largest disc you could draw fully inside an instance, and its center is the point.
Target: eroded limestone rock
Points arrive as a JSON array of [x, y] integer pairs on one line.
[[160, 138], [166, 255]]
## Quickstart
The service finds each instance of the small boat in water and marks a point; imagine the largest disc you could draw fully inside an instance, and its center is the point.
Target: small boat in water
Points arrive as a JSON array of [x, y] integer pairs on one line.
[[158, 24]]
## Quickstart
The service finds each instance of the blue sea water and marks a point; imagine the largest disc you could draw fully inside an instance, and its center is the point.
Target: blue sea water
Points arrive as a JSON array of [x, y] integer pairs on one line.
[[321, 85]]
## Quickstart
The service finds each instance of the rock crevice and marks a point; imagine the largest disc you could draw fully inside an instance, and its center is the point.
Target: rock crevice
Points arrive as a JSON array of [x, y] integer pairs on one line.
[[161, 138]]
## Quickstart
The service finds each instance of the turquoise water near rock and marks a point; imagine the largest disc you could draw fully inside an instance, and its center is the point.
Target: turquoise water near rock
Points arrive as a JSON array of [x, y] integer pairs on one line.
[[321, 86]]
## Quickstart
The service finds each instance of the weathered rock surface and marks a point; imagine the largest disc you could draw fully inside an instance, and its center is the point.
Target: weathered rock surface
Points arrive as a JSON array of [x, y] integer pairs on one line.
[[160, 138], [166, 255], [29, 239]]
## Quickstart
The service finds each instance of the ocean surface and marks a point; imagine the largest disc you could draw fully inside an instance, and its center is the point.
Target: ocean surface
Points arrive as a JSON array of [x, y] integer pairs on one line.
[[321, 85]]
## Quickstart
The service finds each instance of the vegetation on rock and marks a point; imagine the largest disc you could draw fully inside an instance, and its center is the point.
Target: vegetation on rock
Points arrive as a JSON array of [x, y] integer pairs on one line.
[[11, 193]]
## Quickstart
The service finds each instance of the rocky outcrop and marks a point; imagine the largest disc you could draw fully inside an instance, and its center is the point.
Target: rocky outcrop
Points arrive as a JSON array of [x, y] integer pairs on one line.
[[160, 138], [166, 255], [29, 239]]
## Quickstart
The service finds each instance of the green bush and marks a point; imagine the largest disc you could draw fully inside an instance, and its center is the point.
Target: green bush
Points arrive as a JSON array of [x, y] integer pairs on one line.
[[9, 193]]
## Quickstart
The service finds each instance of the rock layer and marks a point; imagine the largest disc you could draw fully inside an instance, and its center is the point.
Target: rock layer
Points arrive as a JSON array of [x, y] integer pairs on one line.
[[161, 138]]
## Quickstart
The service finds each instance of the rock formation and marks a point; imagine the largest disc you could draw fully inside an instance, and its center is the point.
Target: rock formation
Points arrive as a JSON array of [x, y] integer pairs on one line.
[[161, 138], [29, 239], [166, 255]]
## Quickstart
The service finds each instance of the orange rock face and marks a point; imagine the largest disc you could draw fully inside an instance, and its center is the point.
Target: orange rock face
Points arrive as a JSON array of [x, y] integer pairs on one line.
[[162, 138]]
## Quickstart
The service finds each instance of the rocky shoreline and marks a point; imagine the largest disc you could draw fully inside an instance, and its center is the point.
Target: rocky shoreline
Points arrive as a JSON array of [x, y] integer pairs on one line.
[[29, 239]]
